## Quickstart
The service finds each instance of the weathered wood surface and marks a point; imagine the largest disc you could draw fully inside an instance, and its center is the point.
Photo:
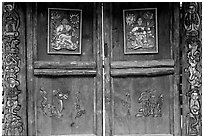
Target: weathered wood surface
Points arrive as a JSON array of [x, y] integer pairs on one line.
[[142, 72], [143, 64], [31, 43], [64, 65], [61, 72], [108, 98], [128, 76], [126, 94], [98, 97], [163, 32], [14, 112], [79, 75], [191, 44], [76, 117], [175, 42]]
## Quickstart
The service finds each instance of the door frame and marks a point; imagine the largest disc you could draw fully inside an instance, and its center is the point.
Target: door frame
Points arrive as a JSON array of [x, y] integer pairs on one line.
[[27, 29]]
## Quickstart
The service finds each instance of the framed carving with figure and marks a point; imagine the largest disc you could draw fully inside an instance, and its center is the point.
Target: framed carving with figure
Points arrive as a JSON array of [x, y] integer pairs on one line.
[[64, 31], [140, 31]]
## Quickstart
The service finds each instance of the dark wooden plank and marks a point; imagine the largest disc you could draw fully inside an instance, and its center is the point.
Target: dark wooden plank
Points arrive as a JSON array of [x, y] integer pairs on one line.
[[107, 38], [142, 72], [22, 74], [97, 28], [30, 15], [64, 65], [61, 72], [142, 64], [176, 118]]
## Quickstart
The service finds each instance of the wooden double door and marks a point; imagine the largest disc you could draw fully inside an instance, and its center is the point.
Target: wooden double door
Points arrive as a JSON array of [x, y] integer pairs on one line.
[[103, 68]]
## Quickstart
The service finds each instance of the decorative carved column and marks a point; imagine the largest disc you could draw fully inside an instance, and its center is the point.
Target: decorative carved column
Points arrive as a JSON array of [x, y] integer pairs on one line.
[[192, 92], [12, 121]]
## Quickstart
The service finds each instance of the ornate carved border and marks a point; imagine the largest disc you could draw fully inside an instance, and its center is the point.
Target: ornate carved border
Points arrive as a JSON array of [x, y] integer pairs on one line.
[[192, 24], [12, 121]]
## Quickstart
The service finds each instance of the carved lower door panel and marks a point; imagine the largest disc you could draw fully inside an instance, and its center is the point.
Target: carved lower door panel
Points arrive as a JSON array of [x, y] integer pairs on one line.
[[64, 69], [141, 65], [65, 106], [142, 105]]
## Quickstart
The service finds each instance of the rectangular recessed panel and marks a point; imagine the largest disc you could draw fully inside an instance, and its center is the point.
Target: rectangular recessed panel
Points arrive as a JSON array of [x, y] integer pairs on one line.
[[65, 32], [65, 106], [142, 105]]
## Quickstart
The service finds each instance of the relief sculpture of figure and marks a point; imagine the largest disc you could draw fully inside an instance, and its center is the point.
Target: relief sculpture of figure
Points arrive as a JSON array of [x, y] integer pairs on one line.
[[64, 37], [141, 35]]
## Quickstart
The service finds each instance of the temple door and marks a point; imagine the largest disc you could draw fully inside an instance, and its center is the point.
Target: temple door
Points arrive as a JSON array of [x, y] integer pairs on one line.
[[64, 77], [141, 45]]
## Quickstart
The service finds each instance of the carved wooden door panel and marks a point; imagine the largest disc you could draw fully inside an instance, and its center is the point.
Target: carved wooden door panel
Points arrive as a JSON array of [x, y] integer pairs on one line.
[[64, 69], [141, 65]]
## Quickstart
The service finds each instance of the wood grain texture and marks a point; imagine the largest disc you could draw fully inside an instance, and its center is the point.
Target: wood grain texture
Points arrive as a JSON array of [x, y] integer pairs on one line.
[[142, 64], [97, 27], [142, 72], [87, 47], [30, 25], [175, 21], [61, 72], [107, 36], [22, 73], [80, 92], [126, 74], [127, 92], [164, 46], [68, 72], [64, 65]]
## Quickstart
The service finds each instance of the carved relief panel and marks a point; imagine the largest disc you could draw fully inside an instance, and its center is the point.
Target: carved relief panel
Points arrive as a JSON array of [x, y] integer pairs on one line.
[[64, 31], [140, 31], [12, 121], [65, 106], [150, 104], [51, 109], [192, 62], [141, 105]]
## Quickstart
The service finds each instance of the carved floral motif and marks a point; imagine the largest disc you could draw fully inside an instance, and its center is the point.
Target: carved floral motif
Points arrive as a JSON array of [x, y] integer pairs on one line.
[[50, 109], [12, 121], [150, 104], [192, 25]]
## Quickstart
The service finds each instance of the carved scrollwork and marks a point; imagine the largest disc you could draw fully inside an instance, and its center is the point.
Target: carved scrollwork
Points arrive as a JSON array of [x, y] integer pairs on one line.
[[150, 104], [12, 121], [50, 109], [192, 25]]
